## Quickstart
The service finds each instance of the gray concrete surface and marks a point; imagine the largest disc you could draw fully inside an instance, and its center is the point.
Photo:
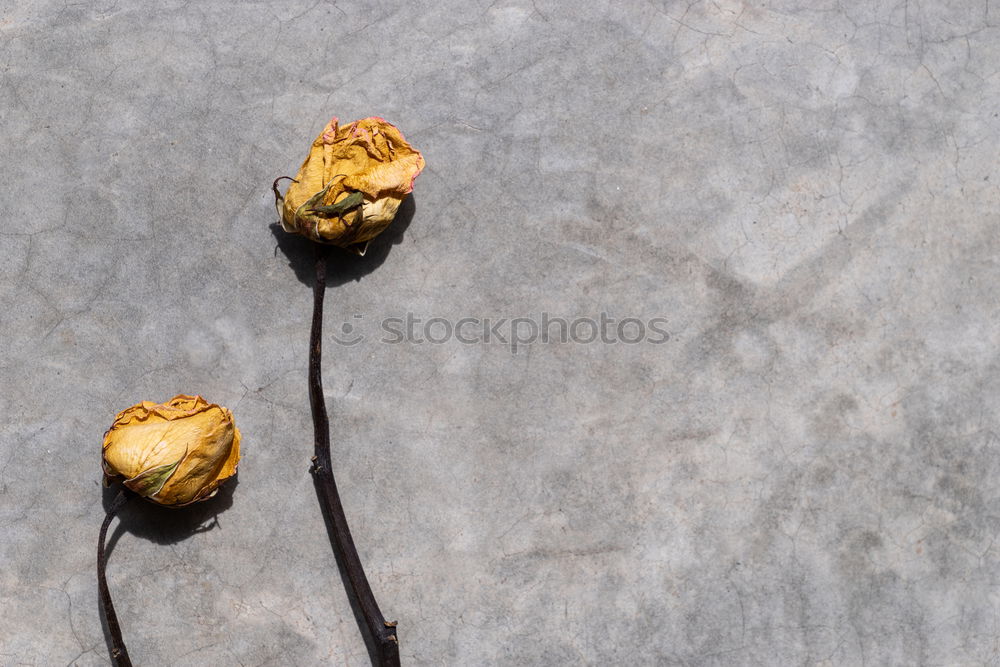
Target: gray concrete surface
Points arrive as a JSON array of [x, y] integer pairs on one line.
[[805, 473]]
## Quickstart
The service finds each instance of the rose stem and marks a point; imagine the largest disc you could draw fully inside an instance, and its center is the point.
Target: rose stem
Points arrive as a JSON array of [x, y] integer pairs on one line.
[[383, 634], [118, 650]]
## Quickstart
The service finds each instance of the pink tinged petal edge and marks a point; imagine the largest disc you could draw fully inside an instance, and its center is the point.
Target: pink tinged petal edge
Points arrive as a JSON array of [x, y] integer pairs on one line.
[[403, 137], [414, 177], [328, 138], [335, 122]]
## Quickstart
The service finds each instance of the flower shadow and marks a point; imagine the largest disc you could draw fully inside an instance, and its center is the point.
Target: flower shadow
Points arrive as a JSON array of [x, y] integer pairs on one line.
[[168, 525], [298, 250]]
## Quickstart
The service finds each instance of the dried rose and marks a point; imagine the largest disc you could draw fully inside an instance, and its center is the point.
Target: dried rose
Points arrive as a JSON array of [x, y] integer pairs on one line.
[[173, 453], [351, 185]]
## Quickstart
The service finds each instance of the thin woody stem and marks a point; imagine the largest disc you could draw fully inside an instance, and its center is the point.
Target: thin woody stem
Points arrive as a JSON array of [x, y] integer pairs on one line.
[[118, 650], [382, 633]]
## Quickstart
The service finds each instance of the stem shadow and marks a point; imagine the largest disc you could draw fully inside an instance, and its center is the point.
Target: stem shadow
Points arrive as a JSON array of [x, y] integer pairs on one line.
[[370, 642], [163, 525]]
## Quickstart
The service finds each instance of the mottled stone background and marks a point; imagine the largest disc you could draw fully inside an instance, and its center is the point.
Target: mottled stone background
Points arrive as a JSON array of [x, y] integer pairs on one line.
[[806, 473]]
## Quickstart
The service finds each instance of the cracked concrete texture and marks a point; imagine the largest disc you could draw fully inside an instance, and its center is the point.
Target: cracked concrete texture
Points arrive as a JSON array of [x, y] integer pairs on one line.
[[805, 473]]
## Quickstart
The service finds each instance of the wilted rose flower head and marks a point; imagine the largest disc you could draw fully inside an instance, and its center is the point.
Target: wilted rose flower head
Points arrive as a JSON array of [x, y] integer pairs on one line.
[[351, 184], [172, 453]]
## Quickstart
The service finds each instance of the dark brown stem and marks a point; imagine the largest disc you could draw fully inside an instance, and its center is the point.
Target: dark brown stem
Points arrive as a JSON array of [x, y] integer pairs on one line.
[[382, 634], [118, 650]]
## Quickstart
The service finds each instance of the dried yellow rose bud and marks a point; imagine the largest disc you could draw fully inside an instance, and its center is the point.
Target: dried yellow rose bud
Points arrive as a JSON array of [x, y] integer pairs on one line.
[[173, 453], [351, 185]]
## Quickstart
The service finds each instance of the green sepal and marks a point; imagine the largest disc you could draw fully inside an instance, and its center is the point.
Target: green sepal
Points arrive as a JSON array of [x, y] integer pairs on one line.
[[150, 482], [349, 202]]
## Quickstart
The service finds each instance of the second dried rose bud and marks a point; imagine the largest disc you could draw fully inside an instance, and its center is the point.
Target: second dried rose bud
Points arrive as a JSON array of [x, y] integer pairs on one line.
[[351, 184], [172, 453]]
